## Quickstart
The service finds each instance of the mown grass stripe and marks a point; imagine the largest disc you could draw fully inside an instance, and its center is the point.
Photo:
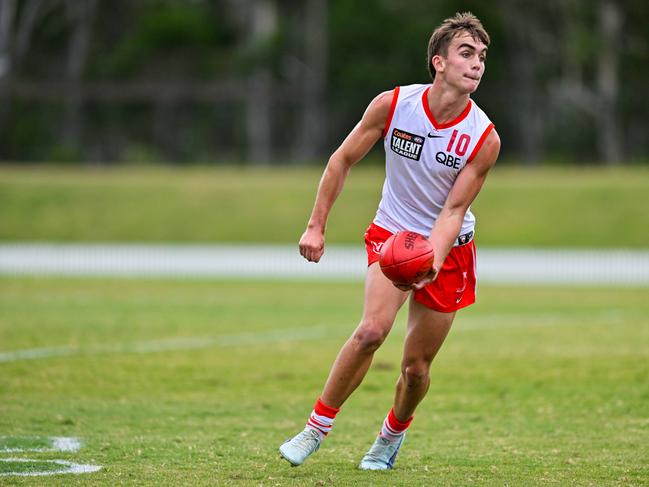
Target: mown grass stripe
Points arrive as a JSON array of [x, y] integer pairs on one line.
[[291, 334], [173, 344]]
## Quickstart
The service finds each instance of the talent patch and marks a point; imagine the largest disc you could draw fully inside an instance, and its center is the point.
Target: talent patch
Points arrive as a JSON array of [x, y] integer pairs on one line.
[[406, 144]]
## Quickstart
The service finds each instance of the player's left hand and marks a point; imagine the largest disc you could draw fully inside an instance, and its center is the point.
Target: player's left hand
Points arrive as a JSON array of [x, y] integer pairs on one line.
[[430, 277], [402, 287]]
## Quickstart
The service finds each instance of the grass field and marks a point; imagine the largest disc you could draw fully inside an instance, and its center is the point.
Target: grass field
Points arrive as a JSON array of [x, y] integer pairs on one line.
[[170, 382], [551, 207]]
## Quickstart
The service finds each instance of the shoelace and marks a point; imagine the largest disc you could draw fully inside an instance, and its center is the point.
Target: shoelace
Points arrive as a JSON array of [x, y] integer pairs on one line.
[[305, 439], [377, 449]]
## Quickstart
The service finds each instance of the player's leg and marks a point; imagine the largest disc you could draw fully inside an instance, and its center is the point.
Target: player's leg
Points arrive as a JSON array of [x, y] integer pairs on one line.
[[431, 315], [426, 332], [381, 303]]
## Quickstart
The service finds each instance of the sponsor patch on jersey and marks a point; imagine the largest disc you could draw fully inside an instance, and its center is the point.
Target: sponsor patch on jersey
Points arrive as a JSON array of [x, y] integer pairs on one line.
[[406, 144]]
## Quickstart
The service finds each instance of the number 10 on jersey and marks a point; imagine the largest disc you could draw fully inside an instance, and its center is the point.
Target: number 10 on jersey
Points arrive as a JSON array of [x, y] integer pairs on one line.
[[462, 143]]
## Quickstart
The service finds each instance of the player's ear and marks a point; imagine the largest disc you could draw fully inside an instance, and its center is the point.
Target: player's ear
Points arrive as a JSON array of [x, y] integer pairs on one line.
[[438, 63]]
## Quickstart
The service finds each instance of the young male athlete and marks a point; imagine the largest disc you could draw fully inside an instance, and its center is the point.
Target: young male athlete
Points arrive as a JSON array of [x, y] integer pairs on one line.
[[439, 148]]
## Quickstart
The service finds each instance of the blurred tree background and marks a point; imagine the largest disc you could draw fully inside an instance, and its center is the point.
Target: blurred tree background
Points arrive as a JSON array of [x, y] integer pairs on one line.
[[283, 81]]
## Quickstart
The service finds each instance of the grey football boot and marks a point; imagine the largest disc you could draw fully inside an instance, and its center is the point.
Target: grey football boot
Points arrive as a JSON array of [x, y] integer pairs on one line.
[[382, 454], [298, 448]]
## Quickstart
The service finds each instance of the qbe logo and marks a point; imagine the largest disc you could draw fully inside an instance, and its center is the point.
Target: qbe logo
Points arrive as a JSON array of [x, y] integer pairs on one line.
[[461, 146], [407, 144]]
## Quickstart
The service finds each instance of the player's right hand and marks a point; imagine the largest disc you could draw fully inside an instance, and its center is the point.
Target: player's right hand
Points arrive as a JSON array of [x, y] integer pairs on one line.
[[312, 245]]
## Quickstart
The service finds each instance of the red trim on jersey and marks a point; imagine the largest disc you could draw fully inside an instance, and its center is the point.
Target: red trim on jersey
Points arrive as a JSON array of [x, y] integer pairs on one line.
[[395, 96], [460, 117], [480, 142]]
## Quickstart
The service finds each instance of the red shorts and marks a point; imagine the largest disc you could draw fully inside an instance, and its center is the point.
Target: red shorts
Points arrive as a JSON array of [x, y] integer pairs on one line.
[[455, 285]]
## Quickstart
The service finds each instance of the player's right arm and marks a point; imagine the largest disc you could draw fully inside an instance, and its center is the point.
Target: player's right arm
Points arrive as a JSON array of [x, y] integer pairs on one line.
[[355, 146]]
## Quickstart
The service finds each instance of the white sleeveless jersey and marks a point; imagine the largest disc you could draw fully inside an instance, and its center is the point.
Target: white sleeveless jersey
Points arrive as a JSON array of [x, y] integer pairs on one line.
[[423, 158]]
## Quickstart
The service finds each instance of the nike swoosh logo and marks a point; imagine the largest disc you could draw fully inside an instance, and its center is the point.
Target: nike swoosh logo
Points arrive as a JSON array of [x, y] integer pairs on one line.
[[433, 136]]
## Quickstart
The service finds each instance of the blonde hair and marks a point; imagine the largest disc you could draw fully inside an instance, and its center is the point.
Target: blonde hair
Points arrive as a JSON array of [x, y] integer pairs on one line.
[[451, 27]]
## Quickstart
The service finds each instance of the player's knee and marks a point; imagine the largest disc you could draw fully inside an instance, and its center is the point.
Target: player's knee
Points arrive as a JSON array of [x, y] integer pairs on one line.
[[416, 373], [369, 337]]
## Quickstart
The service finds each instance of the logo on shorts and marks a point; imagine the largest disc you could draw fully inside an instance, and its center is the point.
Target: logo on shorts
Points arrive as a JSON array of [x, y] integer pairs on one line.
[[407, 144], [377, 246], [463, 288]]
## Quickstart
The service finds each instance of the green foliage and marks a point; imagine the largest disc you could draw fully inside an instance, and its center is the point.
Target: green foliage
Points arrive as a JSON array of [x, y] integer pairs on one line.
[[534, 385], [368, 59], [541, 86], [173, 26], [176, 35], [30, 136]]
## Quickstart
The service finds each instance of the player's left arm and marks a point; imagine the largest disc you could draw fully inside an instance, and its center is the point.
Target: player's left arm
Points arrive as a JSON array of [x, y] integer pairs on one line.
[[464, 191]]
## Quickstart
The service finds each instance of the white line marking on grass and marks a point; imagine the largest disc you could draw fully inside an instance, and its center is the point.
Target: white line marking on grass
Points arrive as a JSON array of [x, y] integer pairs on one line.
[[35, 353], [70, 467], [176, 344], [298, 334], [67, 444]]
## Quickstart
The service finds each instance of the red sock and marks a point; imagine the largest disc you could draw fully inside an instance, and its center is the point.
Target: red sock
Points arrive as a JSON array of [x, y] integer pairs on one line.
[[322, 418], [394, 429]]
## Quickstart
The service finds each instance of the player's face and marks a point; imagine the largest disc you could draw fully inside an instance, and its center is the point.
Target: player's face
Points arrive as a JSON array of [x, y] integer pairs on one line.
[[465, 63]]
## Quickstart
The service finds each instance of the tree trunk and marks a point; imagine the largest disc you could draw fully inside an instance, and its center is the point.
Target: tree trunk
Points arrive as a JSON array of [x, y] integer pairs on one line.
[[30, 12], [263, 23], [314, 119], [523, 39], [529, 113], [7, 14], [609, 143], [82, 14]]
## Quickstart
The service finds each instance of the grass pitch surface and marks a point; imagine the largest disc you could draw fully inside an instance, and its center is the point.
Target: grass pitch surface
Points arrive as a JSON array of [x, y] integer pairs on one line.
[[173, 382], [551, 207]]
